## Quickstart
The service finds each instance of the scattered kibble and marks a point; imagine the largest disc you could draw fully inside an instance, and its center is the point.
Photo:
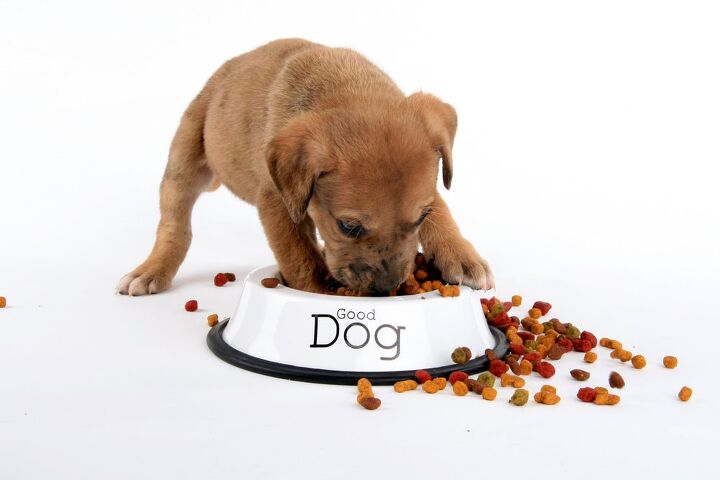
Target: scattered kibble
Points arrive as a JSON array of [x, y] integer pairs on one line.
[[516, 300], [440, 382], [670, 361], [685, 394], [622, 355], [449, 290], [580, 375], [220, 279], [616, 380], [545, 369], [191, 305], [638, 361], [270, 282], [590, 357], [230, 276], [507, 380], [534, 313], [544, 307], [461, 355], [457, 376], [405, 386], [366, 396], [422, 376], [520, 397], [497, 367], [587, 394], [460, 389], [430, 387], [489, 393], [3, 302], [547, 397], [212, 320], [486, 379]]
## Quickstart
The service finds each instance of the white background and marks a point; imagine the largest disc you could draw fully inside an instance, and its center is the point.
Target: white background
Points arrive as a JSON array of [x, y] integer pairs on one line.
[[585, 172]]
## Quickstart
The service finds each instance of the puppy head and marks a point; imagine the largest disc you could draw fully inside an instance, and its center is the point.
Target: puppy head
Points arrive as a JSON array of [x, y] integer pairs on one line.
[[366, 177]]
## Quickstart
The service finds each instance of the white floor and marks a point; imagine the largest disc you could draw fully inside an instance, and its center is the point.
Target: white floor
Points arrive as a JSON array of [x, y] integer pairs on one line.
[[589, 185]]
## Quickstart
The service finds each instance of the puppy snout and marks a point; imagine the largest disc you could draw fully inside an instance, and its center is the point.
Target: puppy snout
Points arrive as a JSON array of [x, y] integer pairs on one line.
[[386, 281]]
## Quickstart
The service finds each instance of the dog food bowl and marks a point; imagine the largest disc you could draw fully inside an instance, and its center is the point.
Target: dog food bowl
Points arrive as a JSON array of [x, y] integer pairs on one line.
[[311, 337]]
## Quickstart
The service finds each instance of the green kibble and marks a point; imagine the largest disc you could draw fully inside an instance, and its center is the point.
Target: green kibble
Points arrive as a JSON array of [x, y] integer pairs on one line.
[[486, 379], [573, 332], [530, 344], [520, 397], [461, 355], [497, 309], [547, 326]]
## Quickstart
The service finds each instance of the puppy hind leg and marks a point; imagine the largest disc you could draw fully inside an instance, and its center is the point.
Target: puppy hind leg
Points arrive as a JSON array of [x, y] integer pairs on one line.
[[186, 176]]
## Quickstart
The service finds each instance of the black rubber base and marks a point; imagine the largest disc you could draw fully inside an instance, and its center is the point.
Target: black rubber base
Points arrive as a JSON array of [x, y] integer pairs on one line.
[[316, 375]]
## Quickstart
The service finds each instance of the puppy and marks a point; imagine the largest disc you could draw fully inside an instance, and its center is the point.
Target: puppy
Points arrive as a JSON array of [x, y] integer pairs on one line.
[[319, 140]]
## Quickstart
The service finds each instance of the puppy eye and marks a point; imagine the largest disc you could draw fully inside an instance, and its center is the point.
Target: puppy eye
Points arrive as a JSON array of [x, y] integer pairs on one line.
[[350, 229], [422, 217]]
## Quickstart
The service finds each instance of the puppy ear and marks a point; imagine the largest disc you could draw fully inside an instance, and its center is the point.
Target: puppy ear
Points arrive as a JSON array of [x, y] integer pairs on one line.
[[293, 160], [441, 122]]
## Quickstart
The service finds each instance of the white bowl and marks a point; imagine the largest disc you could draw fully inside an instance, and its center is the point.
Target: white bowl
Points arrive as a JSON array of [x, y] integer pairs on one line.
[[320, 338]]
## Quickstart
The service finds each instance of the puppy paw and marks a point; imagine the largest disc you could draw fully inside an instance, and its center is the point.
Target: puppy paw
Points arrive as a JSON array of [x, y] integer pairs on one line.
[[460, 263], [141, 282]]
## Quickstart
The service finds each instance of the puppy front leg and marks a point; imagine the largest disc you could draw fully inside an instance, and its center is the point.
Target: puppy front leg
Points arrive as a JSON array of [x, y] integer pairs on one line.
[[456, 258], [294, 244]]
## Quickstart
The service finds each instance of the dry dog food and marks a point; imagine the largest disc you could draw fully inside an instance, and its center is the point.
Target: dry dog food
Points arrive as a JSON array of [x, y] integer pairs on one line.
[[212, 320], [489, 393], [449, 290], [507, 380], [516, 300], [366, 396], [604, 398], [3, 302], [534, 313], [430, 387], [497, 367], [638, 361], [405, 386], [440, 382], [685, 394], [191, 305], [587, 394], [230, 276], [460, 389], [547, 395], [486, 379], [622, 355], [220, 279], [616, 380], [457, 377], [590, 357], [580, 375], [545, 369], [519, 397], [670, 361], [461, 355], [422, 376], [544, 307], [270, 282]]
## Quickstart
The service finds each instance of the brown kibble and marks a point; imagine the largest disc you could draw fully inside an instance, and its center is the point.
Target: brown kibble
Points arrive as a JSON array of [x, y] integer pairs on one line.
[[421, 275], [547, 396], [616, 380], [601, 390], [490, 354], [534, 313], [3, 302], [605, 342], [405, 386], [369, 403], [622, 355], [537, 328], [271, 282], [449, 290], [670, 361], [638, 361], [212, 320], [507, 380], [685, 394], [489, 393], [460, 389], [230, 276], [548, 388], [516, 300], [615, 345], [590, 357], [440, 382], [580, 375], [365, 387], [613, 399], [526, 367]]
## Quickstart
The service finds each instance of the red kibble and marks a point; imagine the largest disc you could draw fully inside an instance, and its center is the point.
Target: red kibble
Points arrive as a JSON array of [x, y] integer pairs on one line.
[[585, 335], [220, 279], [581, 345], [565, 343], [587, 394], [484, 301], [491, 303], [501, 319], [526, 336], [544, 307], [191, 305], [422, 376], [457, 376], [517, 349], [498, 367], [533, 357], [545, 369], [507, 305]]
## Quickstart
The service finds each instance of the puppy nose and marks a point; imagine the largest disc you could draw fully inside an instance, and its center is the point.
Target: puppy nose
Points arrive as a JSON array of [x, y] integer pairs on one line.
[[385, 282]]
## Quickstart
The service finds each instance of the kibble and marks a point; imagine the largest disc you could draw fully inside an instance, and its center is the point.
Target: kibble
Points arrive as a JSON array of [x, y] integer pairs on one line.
[[486, 379], [270, 282], [590, 357], [449, 290], [405, 386], [545, 369], [526, 367], [580, 375], [520, 397], [3, 302], [544, 307], [547, 396], [516, 300], [422, 376], [638, 361], [587, 394], [460, 389], [622, 355], [191, 305], [212, 320], [230, 276], [366, 396], [430, 387], [616, 380], [489, 393], [497, 367], [534, 313], [670, 361], [461, 355], [440, 382], [220, 279], [507, 380], [685, 394]]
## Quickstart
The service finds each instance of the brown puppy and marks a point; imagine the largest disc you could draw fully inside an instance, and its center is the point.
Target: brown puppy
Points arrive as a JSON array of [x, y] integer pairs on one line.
[[319, 139]]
